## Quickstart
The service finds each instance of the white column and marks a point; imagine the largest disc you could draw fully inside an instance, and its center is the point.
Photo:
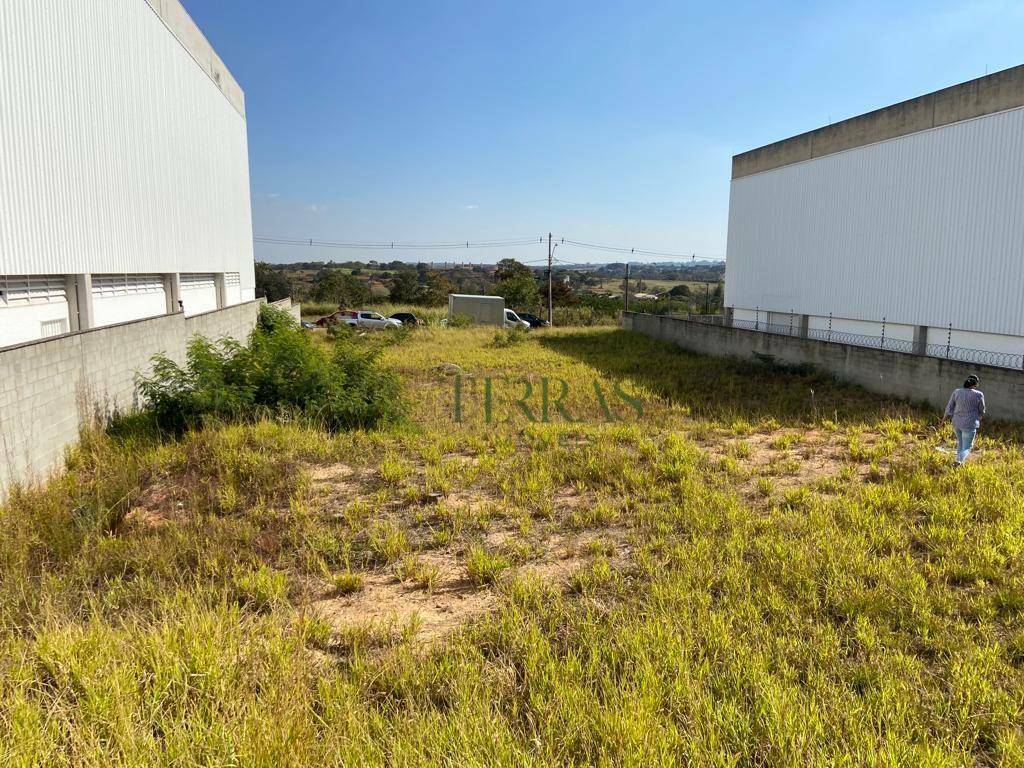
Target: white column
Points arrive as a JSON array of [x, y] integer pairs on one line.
[[172, 290], [222, 290], [79, 294]]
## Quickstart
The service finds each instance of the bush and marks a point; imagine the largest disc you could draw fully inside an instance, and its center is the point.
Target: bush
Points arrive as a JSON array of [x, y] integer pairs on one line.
[[272, 318], [280, 369], [509, 337], [460, 321]]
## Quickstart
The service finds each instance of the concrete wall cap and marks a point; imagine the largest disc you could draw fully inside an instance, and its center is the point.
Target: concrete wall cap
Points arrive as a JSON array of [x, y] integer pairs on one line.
[[997, 92]]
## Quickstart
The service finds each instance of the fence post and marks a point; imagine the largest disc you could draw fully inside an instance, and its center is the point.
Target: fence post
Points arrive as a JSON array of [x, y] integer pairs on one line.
[[757, 319], [949, 339], [830, 326], [791, 321], [882, 344]]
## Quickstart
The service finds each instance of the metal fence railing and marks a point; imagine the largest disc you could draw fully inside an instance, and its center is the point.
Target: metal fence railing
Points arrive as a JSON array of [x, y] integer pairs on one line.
[[947, 351]]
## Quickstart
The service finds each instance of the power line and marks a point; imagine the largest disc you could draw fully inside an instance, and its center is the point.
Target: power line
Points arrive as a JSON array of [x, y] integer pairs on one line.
[[635, 251], [398, 246], [474, 244]]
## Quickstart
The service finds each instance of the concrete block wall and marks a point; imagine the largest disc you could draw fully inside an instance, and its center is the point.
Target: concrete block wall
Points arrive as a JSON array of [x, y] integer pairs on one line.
[[293, 309], [914, 377], [50, 388]]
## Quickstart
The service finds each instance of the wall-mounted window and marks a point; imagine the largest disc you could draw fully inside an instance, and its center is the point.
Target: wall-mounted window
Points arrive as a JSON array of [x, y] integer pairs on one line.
[[197, 282], [108, 286], [30, 289]]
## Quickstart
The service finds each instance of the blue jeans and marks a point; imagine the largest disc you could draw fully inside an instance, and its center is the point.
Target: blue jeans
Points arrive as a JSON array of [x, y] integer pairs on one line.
[[964, 442]]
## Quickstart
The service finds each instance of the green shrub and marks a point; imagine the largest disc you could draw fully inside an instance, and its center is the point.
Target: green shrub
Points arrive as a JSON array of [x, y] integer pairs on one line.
[[460, 321], [212, 383], [281, 369], [509, 337], [272, 318]]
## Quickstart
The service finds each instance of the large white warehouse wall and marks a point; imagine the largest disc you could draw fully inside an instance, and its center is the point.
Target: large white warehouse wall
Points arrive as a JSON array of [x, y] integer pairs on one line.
[[925, 229], [118, 152]]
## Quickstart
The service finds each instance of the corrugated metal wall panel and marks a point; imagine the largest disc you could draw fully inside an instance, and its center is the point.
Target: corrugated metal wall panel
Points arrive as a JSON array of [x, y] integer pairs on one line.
[[117, 151], [926, 229]]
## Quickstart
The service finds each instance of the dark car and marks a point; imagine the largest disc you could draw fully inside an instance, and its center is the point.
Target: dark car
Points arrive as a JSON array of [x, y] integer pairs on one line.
[[533, 320], [406, 318]]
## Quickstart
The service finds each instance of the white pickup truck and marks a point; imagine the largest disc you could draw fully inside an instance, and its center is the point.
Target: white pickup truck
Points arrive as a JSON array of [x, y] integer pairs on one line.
[[362, 318], [374, 320]]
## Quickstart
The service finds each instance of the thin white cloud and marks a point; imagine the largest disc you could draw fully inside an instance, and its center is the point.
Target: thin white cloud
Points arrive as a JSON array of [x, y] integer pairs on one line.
[[315, 208], [470, 207]]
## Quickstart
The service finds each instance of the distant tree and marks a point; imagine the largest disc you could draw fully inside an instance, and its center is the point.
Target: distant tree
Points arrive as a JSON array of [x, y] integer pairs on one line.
[[561, 294], [509, 269], [680, 291], [405, 287], [518, 291], [434, 292], [333, 285], [271, 283]]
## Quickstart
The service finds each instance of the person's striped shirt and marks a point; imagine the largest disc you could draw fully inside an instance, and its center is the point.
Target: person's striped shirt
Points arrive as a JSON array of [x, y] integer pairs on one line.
[[966, 406]]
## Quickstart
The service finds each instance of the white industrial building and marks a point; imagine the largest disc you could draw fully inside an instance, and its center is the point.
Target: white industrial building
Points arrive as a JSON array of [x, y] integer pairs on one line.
[[124, 175], [905, 223]]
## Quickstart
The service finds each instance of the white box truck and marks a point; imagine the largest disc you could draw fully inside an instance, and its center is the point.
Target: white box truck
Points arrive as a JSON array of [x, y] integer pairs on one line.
[[486, 310]]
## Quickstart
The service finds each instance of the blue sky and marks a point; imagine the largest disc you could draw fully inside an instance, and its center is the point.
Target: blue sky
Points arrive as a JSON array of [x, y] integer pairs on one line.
[[603, 122]]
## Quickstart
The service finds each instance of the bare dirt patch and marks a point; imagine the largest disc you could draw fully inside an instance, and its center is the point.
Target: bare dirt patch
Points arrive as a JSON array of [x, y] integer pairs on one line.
[[386, 601], [337, 484], [157, 507], [791, 459]]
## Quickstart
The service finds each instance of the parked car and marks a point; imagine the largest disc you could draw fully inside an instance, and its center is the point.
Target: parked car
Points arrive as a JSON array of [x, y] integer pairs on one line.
[[533, 320], [373, 320], [406, 318], [363, 318], [341, 316], [512, 320]]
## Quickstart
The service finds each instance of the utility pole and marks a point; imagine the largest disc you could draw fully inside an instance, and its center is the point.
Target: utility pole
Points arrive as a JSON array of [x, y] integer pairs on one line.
[[626, 292], [707, 298], [550, 253]]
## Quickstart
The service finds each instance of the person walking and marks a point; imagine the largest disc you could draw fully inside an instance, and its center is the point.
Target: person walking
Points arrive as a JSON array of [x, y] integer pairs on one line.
[[966, 406]]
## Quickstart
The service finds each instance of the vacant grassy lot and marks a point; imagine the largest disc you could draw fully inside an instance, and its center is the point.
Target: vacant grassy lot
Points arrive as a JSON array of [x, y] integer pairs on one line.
[[613, 285], [611, 552]]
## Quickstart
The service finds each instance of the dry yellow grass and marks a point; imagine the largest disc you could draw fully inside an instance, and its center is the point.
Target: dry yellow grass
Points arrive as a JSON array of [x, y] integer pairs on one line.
[[732, 574]]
